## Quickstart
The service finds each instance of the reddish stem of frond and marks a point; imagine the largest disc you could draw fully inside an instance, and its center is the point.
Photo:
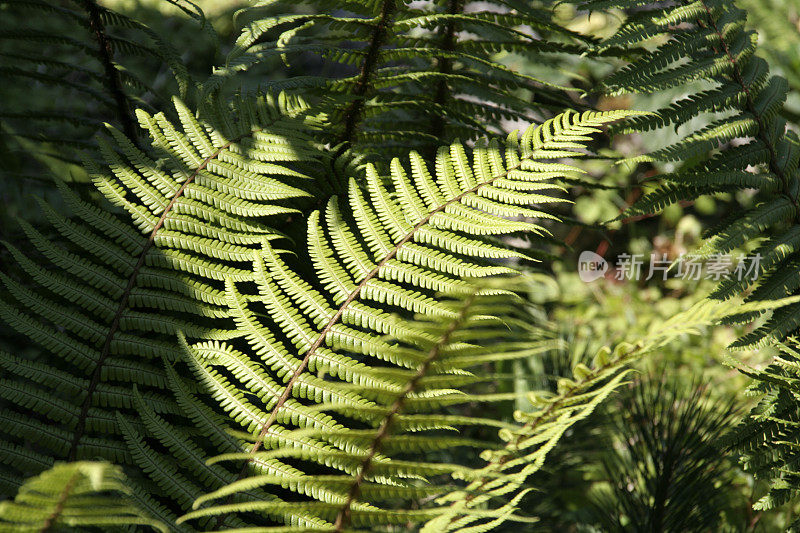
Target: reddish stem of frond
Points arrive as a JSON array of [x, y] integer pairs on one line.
[[123, 304], [343, 518], [62, 501]]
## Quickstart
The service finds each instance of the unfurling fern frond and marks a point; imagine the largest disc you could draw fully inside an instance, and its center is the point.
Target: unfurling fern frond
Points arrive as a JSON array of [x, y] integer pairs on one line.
[[402, 75], [105, 305], [76, 495], [746, 145]]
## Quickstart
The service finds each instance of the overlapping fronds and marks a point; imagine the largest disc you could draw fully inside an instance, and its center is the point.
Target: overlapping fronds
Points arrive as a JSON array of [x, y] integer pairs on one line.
[[82, 494], [746, 145], [365, 477], [399, 75], [504, 477], [367, 449], [321, 339], [103, 294]]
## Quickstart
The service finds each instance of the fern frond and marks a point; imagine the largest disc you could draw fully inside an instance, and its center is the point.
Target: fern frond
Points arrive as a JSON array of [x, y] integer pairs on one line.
[[746, 144], [401, 71], [320, 337], [76, 495], [507, 470]]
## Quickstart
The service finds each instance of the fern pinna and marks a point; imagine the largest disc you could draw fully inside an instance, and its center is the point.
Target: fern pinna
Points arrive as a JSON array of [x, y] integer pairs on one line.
[[746, 145], [397, 75]]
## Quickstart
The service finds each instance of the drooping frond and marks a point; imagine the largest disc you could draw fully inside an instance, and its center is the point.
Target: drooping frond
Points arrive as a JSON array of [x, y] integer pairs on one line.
[[505, 478], [104, 300], [76, 495], [402, 75]]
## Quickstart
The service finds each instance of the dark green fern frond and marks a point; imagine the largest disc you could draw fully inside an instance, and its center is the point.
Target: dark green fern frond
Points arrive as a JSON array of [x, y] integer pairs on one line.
[[76, 495], [744, 146], [768, 438], [65, 67], [400, 75]]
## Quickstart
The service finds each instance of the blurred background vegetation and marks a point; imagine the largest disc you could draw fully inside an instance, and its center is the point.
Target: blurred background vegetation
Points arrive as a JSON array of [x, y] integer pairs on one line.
[[660, 439]]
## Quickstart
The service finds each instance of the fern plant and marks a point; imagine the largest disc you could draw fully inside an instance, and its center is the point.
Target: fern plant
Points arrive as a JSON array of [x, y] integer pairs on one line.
[[114, 296], [76, 495], [105, 306], [745, 145], [261, 345]]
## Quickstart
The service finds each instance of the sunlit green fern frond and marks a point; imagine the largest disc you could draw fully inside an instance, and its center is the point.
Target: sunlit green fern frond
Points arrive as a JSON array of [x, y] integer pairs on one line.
[[321, 340], [103, 294], [83, 494]]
